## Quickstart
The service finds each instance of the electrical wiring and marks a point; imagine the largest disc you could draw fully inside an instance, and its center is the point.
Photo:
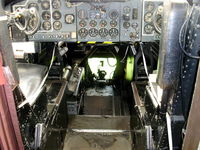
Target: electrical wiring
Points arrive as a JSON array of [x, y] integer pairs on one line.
[[144, 60], [122, 61]]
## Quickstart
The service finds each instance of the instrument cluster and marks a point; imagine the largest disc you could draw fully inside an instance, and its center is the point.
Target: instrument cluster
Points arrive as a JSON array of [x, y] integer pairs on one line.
[[152, 20], [98, 22], [58, 20], [126, 21]]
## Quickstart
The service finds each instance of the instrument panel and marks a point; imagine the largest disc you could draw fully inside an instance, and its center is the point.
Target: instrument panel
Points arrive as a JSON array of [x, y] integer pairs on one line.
[[61, 20], [152, 20], [98, 22]]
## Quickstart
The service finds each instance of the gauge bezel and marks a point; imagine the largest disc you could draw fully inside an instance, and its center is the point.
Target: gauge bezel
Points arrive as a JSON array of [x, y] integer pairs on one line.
[[126, 10], [148, 4], [149, 17], [43, 25], [43, 15], [146, 30], [100, 31], [59, 24], [93, 23], [58, 4], [42, 5], [113, 23], [116, 14], [84, 14], [96, 32], [84, 22], [57, 18], [103, 23], [80, 34]]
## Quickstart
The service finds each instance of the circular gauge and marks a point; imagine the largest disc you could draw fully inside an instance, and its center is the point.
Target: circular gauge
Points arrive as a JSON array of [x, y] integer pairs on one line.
[[148, 29], [93, 32], [83, 32], [46, 25], [57, 25], [93, 23], [133, 35], [126, 25], [127, 10], [113, 23], [82, 14], [157, 21], [32, 23], [45, 5], [56, 4], [46, 15], [103, 32], [82, 23], [134, 25], [113, 32], [103, 23], [148, 17], [149, 6], [114, 14], [56, 15], [35, 5], [69, 19]]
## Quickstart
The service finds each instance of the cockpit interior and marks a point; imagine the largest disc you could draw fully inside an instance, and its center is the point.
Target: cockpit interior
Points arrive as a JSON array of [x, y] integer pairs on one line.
[[99, 74]]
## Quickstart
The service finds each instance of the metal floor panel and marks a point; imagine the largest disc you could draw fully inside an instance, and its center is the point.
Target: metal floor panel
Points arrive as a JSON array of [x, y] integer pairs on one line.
[[103, 101], [98, 105], [98, 133], [99, 122], [97, 141]]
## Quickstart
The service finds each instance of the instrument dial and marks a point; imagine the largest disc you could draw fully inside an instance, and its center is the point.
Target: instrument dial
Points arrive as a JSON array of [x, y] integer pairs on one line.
[[32, 23], [158, 19], [148, 17], [127, 10], [126, 25], [69, 19], [113, 32], [82, 14], [82, 23], [93, 23], [45, 5], [56, 4], [149, 6], [83, 32], [56, 15], [46, 15], [57, 25], [93, 32], [114, 14], [103, 23], [103, 32], [133, 35], [148, 29], [134, 25], [113, 23], [46, 25]]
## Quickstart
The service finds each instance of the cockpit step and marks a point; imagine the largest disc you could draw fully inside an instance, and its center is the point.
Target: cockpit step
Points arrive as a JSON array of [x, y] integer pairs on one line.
[[91, 122]]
